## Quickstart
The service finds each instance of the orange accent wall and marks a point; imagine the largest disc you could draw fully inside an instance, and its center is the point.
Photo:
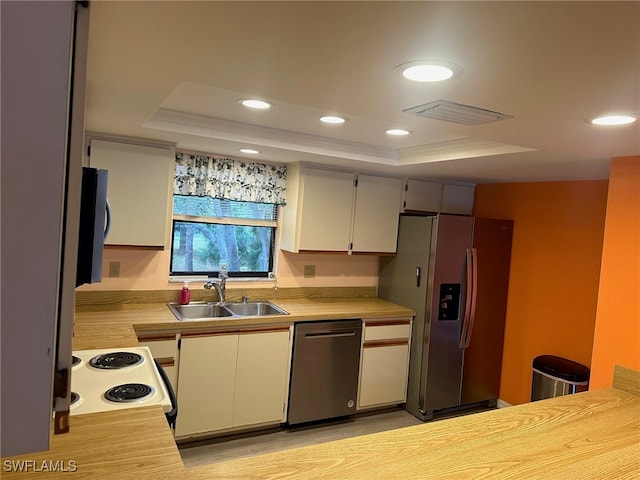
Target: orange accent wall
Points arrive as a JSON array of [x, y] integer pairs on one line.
[[617, 330], [555, 265]]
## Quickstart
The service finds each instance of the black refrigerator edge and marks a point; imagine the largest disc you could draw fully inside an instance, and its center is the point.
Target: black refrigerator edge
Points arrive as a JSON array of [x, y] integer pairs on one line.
[[454, 272]]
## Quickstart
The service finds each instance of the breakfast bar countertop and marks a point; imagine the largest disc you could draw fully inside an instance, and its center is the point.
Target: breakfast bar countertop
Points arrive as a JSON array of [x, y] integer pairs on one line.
[[591, 435]]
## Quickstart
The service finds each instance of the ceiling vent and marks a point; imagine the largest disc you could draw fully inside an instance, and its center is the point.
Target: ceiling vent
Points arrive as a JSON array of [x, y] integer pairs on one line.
[[456, 112]]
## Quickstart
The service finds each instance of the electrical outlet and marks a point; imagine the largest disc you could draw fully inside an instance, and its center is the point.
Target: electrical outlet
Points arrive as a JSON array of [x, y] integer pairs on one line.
[[309, 271], [114, 269]]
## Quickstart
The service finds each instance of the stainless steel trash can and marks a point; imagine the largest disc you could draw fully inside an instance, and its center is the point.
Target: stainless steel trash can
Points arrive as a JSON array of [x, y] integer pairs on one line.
[[555, 376]]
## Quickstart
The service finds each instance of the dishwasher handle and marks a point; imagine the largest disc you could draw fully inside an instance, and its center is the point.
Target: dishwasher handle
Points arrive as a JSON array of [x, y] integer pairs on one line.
[[330, 334]]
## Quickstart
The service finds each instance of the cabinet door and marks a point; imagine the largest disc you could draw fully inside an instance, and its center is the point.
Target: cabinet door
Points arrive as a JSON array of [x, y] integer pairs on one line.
[[262, 377], [383, 376], [457, 199], [164, 349], [325, 210], [206, 383], [139, 191], [421, 196], [384, 362], [377, 210]]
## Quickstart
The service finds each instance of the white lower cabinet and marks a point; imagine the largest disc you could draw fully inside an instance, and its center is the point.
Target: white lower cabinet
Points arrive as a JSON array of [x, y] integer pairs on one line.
[[206, 382], [232, 379], [262, 377], [164, 348], [384, 362]]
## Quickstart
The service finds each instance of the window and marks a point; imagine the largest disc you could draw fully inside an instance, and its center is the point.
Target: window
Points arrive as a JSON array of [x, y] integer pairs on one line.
[[209, 232]]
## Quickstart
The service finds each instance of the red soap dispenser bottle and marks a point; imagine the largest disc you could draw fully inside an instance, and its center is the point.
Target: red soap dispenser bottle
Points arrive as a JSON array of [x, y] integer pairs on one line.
[[185, 294]]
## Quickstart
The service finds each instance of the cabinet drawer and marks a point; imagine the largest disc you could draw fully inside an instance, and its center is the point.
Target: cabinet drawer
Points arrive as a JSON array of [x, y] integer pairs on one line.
[[386, 330], [160, 348]]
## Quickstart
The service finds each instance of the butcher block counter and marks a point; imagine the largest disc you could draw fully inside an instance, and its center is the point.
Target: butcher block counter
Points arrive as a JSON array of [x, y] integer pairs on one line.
[[157, 317], [591, 435]]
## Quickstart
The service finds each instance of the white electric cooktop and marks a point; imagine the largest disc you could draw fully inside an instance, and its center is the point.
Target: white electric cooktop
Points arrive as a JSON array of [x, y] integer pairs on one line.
[[116, 378]]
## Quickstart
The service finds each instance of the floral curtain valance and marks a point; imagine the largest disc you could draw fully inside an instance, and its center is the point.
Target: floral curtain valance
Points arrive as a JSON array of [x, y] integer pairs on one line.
[[202, 175]]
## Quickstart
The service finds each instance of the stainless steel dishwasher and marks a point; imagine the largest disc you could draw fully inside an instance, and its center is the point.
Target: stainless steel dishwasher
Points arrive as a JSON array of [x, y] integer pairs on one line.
[[324, 370]]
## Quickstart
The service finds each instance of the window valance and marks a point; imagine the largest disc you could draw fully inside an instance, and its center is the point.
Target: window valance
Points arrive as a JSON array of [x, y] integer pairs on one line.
[[203, 175]]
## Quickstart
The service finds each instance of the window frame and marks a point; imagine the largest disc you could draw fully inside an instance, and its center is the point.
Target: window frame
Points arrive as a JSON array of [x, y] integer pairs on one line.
[[247, 275]]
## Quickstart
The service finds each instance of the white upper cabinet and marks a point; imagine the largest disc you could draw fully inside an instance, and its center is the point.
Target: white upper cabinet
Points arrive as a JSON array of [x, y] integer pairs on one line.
[[376, 214], [457, 199], [433, 197], [139, 191], [327, 211], [318, 211], [422, 196]]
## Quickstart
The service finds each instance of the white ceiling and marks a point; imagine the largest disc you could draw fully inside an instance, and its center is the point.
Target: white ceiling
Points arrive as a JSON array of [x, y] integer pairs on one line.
[[174, 71]]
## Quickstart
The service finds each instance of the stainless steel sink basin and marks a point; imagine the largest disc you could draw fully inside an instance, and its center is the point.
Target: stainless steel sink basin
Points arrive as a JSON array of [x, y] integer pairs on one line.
[[213, 311], [195, 311], [255, 309]]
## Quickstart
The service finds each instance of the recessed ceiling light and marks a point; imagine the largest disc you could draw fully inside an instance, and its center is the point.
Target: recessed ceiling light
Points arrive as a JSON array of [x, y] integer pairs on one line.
[[398, 132], [255, 103], [250, 151], [332, 119], [429, 70], [613, 120]]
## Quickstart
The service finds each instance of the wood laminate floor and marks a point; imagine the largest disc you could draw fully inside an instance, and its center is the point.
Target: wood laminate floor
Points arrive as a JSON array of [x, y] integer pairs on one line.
[[231, 449]]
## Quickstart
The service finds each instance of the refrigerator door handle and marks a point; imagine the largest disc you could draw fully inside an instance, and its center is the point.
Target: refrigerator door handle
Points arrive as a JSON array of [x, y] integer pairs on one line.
[[107, 227], [474, 295], [468, 296]]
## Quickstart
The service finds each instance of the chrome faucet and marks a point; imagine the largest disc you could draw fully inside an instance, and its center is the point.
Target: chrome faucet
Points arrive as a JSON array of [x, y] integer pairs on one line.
[[219, 288], [220, 285]]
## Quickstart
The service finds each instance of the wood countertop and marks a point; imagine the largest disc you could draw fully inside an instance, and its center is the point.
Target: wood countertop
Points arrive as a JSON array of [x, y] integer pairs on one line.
[[122, 444], [591, 435], [104, 326], [587, 436]]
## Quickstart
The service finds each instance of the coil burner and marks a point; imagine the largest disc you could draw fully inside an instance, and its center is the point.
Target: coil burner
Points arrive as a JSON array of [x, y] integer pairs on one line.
[[129, 392], [116, 360]]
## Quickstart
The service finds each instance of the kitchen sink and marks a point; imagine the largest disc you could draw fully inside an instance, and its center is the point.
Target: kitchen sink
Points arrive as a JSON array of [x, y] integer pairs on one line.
[[195, 311], [217, 311], [255, 309]]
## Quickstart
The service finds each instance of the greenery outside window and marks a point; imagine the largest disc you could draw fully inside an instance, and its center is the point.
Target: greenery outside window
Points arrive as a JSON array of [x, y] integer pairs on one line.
[[209, 232]]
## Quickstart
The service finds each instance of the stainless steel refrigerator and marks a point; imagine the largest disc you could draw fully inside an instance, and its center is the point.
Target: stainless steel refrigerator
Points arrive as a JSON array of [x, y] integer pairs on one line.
[[454, 272]]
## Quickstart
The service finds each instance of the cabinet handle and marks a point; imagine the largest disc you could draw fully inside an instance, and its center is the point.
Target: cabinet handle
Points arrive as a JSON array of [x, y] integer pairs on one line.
[[385, 343], [155, 338], [166, 361], [264, 330], [350, 333], [383, 323], [208, 334], [418, 275]]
